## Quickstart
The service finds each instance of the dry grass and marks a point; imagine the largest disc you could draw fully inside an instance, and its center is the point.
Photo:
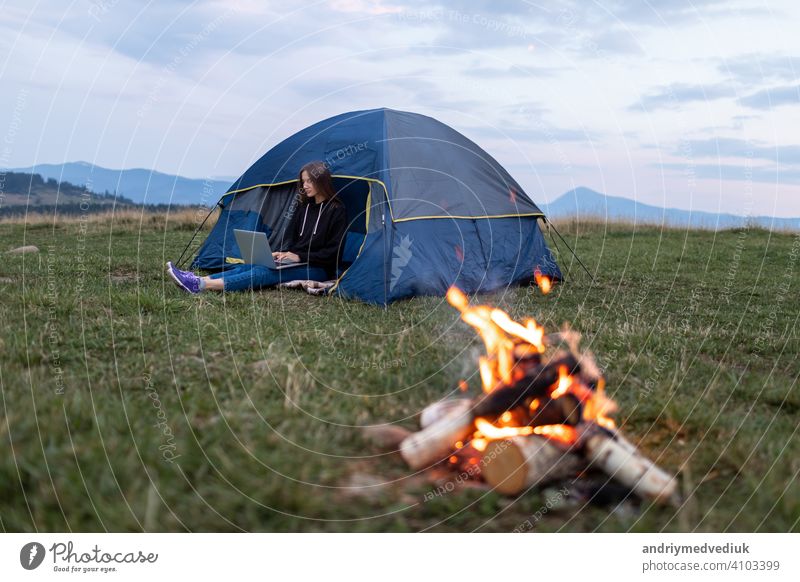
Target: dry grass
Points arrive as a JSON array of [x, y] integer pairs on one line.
[[181, 218], [588, 224]]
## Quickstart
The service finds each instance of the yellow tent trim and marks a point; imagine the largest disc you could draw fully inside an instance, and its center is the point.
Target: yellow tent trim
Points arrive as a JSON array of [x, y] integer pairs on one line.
[[385, 190], [469, 217], [389, 203]]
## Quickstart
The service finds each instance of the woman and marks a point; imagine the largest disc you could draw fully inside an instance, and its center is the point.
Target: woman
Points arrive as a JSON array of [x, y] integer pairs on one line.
[[314, 237]]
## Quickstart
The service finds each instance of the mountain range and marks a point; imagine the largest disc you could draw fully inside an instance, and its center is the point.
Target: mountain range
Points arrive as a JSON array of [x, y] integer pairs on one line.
[[140, 185], [21, 192], [584, 203], [151, 187]]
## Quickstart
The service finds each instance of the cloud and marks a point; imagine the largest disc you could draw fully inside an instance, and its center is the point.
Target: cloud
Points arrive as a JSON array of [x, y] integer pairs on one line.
[[753, 69], [365, 6], [668, 13], [526, 122], [783, 166], [673, 96], [479, 29], [738, 173], [534, 132], [572, 27], [198, 33], [616, 42], [515, 72], [159, 33], [774, 97], [740, 148]]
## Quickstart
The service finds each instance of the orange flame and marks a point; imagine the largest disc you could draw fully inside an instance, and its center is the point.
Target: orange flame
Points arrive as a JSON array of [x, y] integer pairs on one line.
[[479, 444], [500, 334], [597, 406], [544, 282], [505, 341], [457, 299], [530, 332], [492, 432], [557, 432], [564, 382]]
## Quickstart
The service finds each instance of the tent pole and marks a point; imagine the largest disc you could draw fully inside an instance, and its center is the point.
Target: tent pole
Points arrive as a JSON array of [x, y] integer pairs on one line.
[[572, 251], [179, 262], [385, 258]]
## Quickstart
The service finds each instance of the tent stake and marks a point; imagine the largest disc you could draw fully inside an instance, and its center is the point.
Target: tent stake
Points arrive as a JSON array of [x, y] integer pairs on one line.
[[179, 262], [572, 251]]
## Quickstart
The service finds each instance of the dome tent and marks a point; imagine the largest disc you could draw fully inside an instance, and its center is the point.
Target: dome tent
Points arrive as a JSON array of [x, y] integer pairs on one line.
[[427, 208]]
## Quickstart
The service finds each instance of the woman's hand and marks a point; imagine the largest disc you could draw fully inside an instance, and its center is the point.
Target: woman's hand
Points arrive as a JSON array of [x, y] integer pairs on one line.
[[286, 257]]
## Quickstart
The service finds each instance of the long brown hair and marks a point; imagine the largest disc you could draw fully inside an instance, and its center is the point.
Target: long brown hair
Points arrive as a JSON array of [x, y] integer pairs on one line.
[[321, 177]]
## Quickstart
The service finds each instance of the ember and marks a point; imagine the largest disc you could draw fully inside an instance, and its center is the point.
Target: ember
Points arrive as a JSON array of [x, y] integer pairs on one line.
[[547, 412], [543, 282]]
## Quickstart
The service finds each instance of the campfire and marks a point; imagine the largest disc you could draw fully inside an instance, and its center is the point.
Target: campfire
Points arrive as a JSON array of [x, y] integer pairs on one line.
[[543, 415]]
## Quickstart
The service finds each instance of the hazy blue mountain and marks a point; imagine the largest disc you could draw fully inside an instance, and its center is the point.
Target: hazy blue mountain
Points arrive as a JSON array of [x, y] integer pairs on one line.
[[586, 203], [30, 193], [151, 187], [140, 185]]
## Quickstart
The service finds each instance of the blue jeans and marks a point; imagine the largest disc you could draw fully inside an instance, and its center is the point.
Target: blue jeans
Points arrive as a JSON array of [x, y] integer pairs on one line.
[[242, 277]]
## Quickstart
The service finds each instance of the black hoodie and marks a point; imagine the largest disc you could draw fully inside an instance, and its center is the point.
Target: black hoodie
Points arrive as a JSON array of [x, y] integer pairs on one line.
[[316, 233]]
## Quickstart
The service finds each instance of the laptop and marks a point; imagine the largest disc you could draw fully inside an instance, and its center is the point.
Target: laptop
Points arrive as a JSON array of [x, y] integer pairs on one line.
[[255, 249]]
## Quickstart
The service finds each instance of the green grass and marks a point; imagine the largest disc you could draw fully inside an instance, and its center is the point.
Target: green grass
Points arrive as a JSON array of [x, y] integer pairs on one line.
[[260, 395]]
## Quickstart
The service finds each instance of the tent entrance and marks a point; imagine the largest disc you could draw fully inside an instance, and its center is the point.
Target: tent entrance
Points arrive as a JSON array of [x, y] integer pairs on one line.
[[270, 208]]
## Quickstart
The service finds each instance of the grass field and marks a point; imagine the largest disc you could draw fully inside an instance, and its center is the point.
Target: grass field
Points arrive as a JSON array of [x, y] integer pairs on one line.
[[128, 406]]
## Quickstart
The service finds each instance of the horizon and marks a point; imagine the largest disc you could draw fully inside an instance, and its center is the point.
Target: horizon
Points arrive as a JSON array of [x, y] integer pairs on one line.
[[680, 105], [545, 204]]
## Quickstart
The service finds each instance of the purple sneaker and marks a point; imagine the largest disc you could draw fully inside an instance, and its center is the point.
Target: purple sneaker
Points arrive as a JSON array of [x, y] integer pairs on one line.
[[186, 280]]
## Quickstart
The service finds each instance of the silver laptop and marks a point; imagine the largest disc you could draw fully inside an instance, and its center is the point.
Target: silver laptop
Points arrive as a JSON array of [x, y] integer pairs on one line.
[[255, 249]]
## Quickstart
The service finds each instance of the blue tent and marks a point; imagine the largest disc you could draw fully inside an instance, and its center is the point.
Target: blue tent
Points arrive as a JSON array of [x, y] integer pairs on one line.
[[427, 207]]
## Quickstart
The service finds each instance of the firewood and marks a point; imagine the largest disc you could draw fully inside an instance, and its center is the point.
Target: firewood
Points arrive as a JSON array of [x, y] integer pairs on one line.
[[386, 436], [565, 409], [442, 408], [621, 460], [534, 385], [437, 440], [513, 465]]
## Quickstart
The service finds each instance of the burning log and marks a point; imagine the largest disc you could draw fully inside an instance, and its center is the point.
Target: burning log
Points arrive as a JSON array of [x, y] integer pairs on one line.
[[437, 440], [565, 409], [519, 463], [621, 460], [535, 384]]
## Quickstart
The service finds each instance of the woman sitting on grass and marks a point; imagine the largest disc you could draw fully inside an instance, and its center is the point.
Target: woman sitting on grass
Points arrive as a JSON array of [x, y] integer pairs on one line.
[[313, 237]]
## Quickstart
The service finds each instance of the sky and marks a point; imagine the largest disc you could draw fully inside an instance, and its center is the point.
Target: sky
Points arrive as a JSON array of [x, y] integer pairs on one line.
[[692, 105]]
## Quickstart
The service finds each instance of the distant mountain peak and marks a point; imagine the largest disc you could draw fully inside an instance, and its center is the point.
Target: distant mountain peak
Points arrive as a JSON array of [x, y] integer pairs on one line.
[[585, 203]]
